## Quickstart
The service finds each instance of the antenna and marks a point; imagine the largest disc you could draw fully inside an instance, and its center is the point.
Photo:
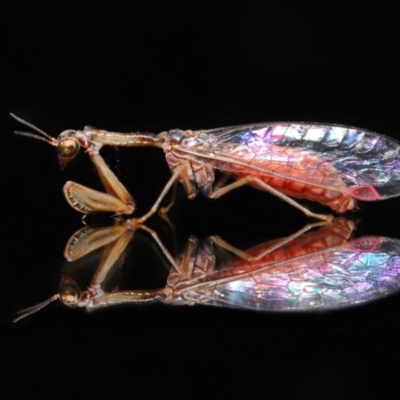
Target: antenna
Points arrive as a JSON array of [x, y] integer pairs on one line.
[[49, 139], [31, 310]]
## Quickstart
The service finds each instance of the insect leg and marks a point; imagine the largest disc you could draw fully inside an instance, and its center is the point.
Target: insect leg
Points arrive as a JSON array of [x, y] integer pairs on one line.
[[95, 296], [98, 298], [160, 245], [110, 255], [110, 182], [115, 239], [89, 239], [164, 210], [221, 182], [261, 184], [177, 173], [86, 200]]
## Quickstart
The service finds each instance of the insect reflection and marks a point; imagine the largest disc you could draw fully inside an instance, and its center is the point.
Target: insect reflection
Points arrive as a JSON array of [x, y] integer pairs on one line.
[[333, 165], [317, 268]]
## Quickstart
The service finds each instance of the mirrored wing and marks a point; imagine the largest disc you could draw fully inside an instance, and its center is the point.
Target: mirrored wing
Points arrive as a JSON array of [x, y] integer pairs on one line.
[[359, 271]]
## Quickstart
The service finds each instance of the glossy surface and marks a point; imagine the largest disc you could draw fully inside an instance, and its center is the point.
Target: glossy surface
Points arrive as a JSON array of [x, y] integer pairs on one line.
[[317, 271]]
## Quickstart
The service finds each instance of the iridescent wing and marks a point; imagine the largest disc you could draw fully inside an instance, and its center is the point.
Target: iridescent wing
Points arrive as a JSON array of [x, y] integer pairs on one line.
[[362, 270], [361, 164]]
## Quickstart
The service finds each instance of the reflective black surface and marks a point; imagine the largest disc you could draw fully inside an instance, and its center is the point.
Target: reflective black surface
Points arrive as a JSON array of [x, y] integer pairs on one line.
[[156, 66]]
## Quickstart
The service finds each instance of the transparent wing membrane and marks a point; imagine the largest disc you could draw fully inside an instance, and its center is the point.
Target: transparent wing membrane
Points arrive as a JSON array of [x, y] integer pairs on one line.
[[363, 164]]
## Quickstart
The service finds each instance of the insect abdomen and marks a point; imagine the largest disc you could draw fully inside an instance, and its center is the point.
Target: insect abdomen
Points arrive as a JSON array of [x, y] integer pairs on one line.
[[335, 199]]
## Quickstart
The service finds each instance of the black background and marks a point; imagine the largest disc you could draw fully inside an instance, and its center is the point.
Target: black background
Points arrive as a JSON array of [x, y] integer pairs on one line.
[[153, 66]]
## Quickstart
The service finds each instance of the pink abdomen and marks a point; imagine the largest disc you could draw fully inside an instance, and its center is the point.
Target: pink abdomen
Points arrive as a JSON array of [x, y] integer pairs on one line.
[[304, 176]]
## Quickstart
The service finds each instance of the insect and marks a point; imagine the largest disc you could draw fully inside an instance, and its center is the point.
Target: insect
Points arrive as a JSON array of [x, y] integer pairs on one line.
[[309, 270], [331, 164]]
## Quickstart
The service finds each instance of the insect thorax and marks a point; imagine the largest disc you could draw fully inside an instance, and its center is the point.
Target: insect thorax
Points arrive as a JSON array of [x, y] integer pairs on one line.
[[196, 171]]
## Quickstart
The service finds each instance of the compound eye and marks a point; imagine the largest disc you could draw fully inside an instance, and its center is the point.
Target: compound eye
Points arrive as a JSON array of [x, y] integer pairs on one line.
[[68, 145], [70, 294]]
